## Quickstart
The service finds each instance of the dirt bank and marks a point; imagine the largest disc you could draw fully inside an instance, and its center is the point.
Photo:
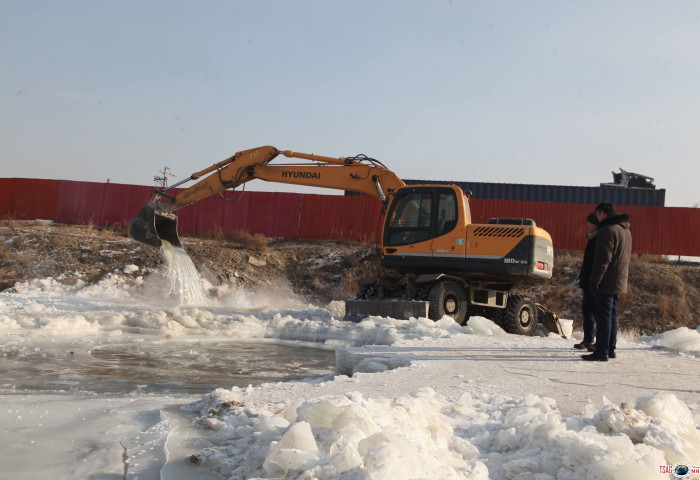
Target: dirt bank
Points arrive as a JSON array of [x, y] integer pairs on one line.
[[662, 295]]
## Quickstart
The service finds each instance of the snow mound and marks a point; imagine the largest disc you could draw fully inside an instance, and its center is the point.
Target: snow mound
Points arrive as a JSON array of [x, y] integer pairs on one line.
[[682, 339], [425, 435]]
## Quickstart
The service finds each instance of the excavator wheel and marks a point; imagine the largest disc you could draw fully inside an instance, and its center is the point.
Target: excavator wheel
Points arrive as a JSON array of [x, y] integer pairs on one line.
[[448, 298], [520, 315]]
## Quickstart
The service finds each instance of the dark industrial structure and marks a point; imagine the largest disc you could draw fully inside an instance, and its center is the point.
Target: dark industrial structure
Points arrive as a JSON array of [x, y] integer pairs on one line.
[[627, 188]]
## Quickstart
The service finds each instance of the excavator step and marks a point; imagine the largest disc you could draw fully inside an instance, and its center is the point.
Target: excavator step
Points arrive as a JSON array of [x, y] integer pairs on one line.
[[358, 310]]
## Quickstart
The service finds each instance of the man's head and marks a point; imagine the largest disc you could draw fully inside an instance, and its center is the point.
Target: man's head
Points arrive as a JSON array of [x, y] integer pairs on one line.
[[604, 210], [592, 220]]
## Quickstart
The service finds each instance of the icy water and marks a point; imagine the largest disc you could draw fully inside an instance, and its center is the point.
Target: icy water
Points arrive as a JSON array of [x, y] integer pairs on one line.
[[156, 366]]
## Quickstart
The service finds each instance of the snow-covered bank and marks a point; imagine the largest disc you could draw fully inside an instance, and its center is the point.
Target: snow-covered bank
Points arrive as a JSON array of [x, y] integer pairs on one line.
[[425, 399]]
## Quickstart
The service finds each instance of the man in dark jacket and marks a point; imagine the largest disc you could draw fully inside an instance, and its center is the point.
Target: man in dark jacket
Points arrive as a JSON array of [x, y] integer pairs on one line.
[[611, 261], [587, 301]]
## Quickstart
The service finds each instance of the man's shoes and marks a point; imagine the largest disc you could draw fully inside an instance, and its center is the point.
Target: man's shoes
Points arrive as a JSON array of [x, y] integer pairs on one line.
[[612, 355], [584, 346], [591, 348], [595, 357]]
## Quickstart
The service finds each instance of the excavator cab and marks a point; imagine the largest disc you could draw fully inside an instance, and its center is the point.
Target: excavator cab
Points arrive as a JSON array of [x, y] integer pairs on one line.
[[152, 227]]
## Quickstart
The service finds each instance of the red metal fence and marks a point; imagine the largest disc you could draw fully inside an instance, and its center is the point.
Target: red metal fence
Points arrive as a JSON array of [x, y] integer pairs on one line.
[[655, 230]]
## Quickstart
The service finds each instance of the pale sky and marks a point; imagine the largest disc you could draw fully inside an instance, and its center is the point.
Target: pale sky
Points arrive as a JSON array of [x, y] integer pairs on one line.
[[556, 92]]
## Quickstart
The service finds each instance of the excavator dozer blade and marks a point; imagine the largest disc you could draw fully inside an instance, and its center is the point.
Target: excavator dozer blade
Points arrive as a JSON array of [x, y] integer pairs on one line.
[[358, 310], [152, 227], [549, 320]]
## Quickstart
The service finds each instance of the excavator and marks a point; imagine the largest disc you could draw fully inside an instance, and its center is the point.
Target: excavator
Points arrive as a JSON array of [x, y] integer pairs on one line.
[[434, 261]]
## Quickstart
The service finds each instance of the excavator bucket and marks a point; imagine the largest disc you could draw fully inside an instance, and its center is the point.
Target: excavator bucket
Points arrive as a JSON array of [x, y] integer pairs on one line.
[[152, 227]]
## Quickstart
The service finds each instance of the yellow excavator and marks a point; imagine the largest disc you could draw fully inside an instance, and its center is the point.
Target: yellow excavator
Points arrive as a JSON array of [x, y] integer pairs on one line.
[[436, 261]]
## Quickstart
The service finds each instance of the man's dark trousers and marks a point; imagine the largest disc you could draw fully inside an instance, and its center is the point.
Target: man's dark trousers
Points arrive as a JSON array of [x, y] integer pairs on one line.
[[606, 322], [588, 312]]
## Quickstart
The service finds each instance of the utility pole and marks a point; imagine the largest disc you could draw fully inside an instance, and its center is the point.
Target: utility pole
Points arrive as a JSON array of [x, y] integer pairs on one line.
[[163, 179]]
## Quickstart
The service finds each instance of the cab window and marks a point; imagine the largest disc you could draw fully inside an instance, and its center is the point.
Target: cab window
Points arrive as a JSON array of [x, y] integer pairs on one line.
[[447, 213], [410, 219]]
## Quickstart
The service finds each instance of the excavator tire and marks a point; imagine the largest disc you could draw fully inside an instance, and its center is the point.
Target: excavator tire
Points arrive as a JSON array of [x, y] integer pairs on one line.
[[448, 298], [520, 315]]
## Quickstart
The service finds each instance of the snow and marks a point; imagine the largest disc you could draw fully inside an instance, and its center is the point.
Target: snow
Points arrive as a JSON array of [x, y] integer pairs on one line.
[[409, 399]]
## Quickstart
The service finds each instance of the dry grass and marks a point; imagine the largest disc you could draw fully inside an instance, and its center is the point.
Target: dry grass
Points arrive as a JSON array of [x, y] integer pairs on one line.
[[5, 252], [8, 222], [14, 223], [631, 334], [255, 242], [111, 231], [216, 233], [6, 281], [18, 242], [669, 307]]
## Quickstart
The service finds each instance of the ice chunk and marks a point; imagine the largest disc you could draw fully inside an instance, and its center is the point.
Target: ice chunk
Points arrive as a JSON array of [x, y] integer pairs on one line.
[[345, 460], [357, 416], [371, 365], [484, 326], [296, 450], [389, 456], [665, 405], [627, 420], [682, 339], [318, 413], [520, 416]]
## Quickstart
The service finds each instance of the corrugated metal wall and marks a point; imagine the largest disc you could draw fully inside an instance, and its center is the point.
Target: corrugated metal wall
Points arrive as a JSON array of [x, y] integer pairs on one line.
[[338, 217], [655, 230], [27, 198], [558, 193]]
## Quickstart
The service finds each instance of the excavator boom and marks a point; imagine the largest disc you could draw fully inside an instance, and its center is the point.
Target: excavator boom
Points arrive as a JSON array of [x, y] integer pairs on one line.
[[156, 223]]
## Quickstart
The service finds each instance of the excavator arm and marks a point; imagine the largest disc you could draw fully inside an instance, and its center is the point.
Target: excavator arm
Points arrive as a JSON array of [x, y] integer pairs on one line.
[[156, 222]]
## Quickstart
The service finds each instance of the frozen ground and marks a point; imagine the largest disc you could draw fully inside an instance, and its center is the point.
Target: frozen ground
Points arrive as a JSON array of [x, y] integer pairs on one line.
[[416, 399]]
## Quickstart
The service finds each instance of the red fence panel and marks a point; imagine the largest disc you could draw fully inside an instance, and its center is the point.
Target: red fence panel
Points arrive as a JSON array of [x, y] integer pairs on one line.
[[33, 198], [351, 218], [272, 214], [655, 230], [123, 202], [6, 197], [269, 213], [665, 230], [210, 215], [80, 203]]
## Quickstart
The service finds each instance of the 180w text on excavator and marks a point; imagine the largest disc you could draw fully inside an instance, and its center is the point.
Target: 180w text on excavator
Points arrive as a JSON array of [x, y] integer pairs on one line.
[[435, 261]]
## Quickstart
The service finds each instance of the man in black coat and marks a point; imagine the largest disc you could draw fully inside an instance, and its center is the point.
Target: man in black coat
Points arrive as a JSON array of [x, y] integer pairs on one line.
[[611, 261], [587, 301]]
